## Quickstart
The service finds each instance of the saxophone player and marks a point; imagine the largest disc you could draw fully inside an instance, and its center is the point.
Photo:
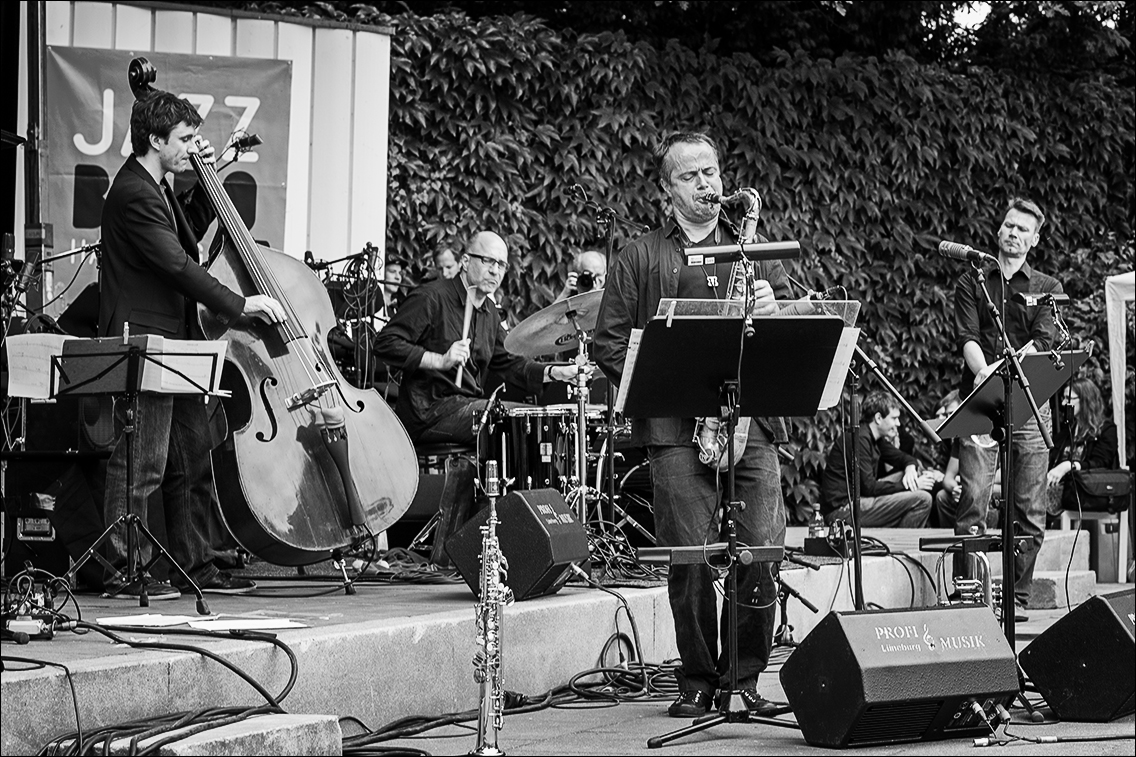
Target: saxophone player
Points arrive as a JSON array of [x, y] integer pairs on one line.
[[687, 492]]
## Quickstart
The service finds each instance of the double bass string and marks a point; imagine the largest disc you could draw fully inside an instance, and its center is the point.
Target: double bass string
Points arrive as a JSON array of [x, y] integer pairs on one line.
[[263, 277], [266, 282]]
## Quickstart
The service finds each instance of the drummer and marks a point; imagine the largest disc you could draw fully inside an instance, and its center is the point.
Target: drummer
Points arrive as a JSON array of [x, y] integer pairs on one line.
[[425, 342]]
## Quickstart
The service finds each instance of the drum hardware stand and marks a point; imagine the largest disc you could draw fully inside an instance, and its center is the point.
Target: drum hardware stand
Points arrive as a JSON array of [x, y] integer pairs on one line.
[[783, 636], [606, 217]]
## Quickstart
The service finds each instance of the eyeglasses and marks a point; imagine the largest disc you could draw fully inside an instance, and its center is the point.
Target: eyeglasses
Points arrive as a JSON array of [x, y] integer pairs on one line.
[[490, 262]]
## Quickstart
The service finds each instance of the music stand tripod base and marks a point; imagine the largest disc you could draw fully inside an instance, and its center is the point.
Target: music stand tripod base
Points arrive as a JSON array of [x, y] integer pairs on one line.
[[113, 366]]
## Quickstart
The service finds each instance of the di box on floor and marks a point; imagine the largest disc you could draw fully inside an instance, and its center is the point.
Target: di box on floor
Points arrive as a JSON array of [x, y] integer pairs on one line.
[[886, 677], [539, 535], [1083, 663]]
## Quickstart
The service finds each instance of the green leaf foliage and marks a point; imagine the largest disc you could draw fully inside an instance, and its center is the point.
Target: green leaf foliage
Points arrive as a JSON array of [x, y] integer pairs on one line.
[[869, 162]]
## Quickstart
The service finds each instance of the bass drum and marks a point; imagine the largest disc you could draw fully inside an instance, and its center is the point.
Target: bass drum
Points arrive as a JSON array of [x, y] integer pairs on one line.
[[633, 513]]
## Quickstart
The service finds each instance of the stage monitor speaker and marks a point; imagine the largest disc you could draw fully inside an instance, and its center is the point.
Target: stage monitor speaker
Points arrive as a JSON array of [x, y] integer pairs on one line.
[[1083, 663], [887, 677], [539, 535]]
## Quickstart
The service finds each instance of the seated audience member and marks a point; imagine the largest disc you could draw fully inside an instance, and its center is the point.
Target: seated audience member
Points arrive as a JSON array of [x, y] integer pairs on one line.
[[588, 273], [902, 500], [948, 491], [1087, 439], [446, 263]]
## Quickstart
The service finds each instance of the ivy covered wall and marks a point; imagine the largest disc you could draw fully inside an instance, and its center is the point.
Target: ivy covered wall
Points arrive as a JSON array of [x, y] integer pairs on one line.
[[868, 162]]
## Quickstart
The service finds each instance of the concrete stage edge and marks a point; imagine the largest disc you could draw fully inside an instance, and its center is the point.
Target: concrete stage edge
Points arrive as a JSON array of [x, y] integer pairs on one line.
[[393, 651]]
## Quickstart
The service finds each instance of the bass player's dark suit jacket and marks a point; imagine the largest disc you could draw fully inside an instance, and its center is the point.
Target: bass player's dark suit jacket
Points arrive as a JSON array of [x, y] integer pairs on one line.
[[151, 277]]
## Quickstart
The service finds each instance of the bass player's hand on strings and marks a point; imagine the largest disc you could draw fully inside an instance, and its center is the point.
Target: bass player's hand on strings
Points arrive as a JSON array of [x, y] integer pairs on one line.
[[265, 308]]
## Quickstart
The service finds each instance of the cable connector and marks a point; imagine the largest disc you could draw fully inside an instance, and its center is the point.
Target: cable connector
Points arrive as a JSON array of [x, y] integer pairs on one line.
[[983, 741]]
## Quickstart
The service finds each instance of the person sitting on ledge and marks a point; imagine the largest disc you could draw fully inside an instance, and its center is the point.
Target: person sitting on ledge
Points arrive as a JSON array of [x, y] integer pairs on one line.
[[902, 499]]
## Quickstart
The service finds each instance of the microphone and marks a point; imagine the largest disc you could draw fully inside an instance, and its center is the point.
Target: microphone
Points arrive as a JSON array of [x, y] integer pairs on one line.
[[488, 407], [311, 262], [27, 272], [1030, 299], [957, 251], [246, 142]]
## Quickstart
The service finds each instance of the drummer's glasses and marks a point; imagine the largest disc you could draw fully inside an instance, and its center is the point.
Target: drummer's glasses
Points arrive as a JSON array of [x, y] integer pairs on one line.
[[490, 262]]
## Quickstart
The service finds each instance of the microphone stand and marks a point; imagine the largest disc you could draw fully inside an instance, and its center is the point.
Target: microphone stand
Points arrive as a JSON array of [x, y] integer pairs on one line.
[[1003, 433], [606, 217], [852, 453]]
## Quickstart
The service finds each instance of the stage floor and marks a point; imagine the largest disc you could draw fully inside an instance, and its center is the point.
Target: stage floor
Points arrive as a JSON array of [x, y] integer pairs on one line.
[[397, 650]]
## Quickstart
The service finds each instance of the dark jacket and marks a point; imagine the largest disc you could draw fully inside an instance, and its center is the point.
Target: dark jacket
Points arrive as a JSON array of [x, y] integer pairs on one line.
[[870, 452], [151, 277]]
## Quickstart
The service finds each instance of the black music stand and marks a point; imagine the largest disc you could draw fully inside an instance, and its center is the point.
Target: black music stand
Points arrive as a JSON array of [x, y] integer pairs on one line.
[[113, 366], [726, 366], [983, 412]]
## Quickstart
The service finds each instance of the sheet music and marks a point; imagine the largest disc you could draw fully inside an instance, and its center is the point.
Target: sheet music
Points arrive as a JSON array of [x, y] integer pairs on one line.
[[199, 360], [628, 368], [29, 363], [834, 385]]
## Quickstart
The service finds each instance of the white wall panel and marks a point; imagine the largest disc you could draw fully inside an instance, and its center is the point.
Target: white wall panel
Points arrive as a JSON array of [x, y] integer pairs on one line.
[[256, 38], [133, 28], [57, 26], [173, 32], [296, 43], [93, 25], [369, 143], [330, 215], [214, 35]]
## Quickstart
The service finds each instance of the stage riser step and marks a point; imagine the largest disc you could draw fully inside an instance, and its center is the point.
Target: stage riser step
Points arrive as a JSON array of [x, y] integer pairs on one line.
[[266, 734]]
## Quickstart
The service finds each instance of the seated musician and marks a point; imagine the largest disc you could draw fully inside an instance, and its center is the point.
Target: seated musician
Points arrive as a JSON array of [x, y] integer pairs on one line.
[[424, 341]]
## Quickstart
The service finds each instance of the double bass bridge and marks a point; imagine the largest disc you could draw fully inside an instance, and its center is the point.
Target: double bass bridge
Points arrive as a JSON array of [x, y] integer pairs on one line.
[[309, 395]]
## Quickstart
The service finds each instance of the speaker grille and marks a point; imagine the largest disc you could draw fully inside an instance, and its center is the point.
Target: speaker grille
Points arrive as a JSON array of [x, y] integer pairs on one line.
[[894, 722]]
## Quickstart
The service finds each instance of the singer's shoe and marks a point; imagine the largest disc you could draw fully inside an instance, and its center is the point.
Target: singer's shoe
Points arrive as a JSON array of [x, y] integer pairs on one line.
[[758, 706], [690, 704]]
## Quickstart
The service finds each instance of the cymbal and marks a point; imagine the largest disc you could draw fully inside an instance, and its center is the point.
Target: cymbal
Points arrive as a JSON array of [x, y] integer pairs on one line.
[[553, 329]]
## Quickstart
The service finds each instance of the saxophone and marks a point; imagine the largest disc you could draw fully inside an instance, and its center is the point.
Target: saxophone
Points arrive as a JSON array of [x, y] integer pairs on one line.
[[710, 433], [493, 595]]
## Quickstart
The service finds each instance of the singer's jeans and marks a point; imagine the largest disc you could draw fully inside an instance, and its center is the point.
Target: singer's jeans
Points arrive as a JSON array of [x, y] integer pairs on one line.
[[687, 498], [172, 470], [977, 466]]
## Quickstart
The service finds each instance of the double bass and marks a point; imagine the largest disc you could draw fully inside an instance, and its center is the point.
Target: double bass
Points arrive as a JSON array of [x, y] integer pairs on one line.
[[312, 464]]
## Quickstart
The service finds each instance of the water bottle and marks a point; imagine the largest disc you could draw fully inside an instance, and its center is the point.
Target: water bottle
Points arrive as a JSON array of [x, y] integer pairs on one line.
[[818, 529]]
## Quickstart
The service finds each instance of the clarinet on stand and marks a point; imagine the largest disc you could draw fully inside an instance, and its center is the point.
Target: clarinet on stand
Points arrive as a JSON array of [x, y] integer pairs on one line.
[[493, 596]]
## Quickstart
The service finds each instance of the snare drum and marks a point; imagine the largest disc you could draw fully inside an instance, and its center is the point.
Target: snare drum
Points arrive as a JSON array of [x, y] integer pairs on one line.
[[538, 444]]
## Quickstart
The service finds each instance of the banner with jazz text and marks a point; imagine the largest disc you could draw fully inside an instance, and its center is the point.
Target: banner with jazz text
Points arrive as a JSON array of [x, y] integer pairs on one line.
[[88, 99]]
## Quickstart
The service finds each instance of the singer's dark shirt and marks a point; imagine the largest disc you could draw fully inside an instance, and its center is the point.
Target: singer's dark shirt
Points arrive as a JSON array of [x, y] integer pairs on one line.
[[834, 484], [973, 321], [431, 320]]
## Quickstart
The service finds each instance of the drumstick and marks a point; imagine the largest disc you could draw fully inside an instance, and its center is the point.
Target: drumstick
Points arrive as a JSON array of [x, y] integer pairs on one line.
[[465, 329]]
